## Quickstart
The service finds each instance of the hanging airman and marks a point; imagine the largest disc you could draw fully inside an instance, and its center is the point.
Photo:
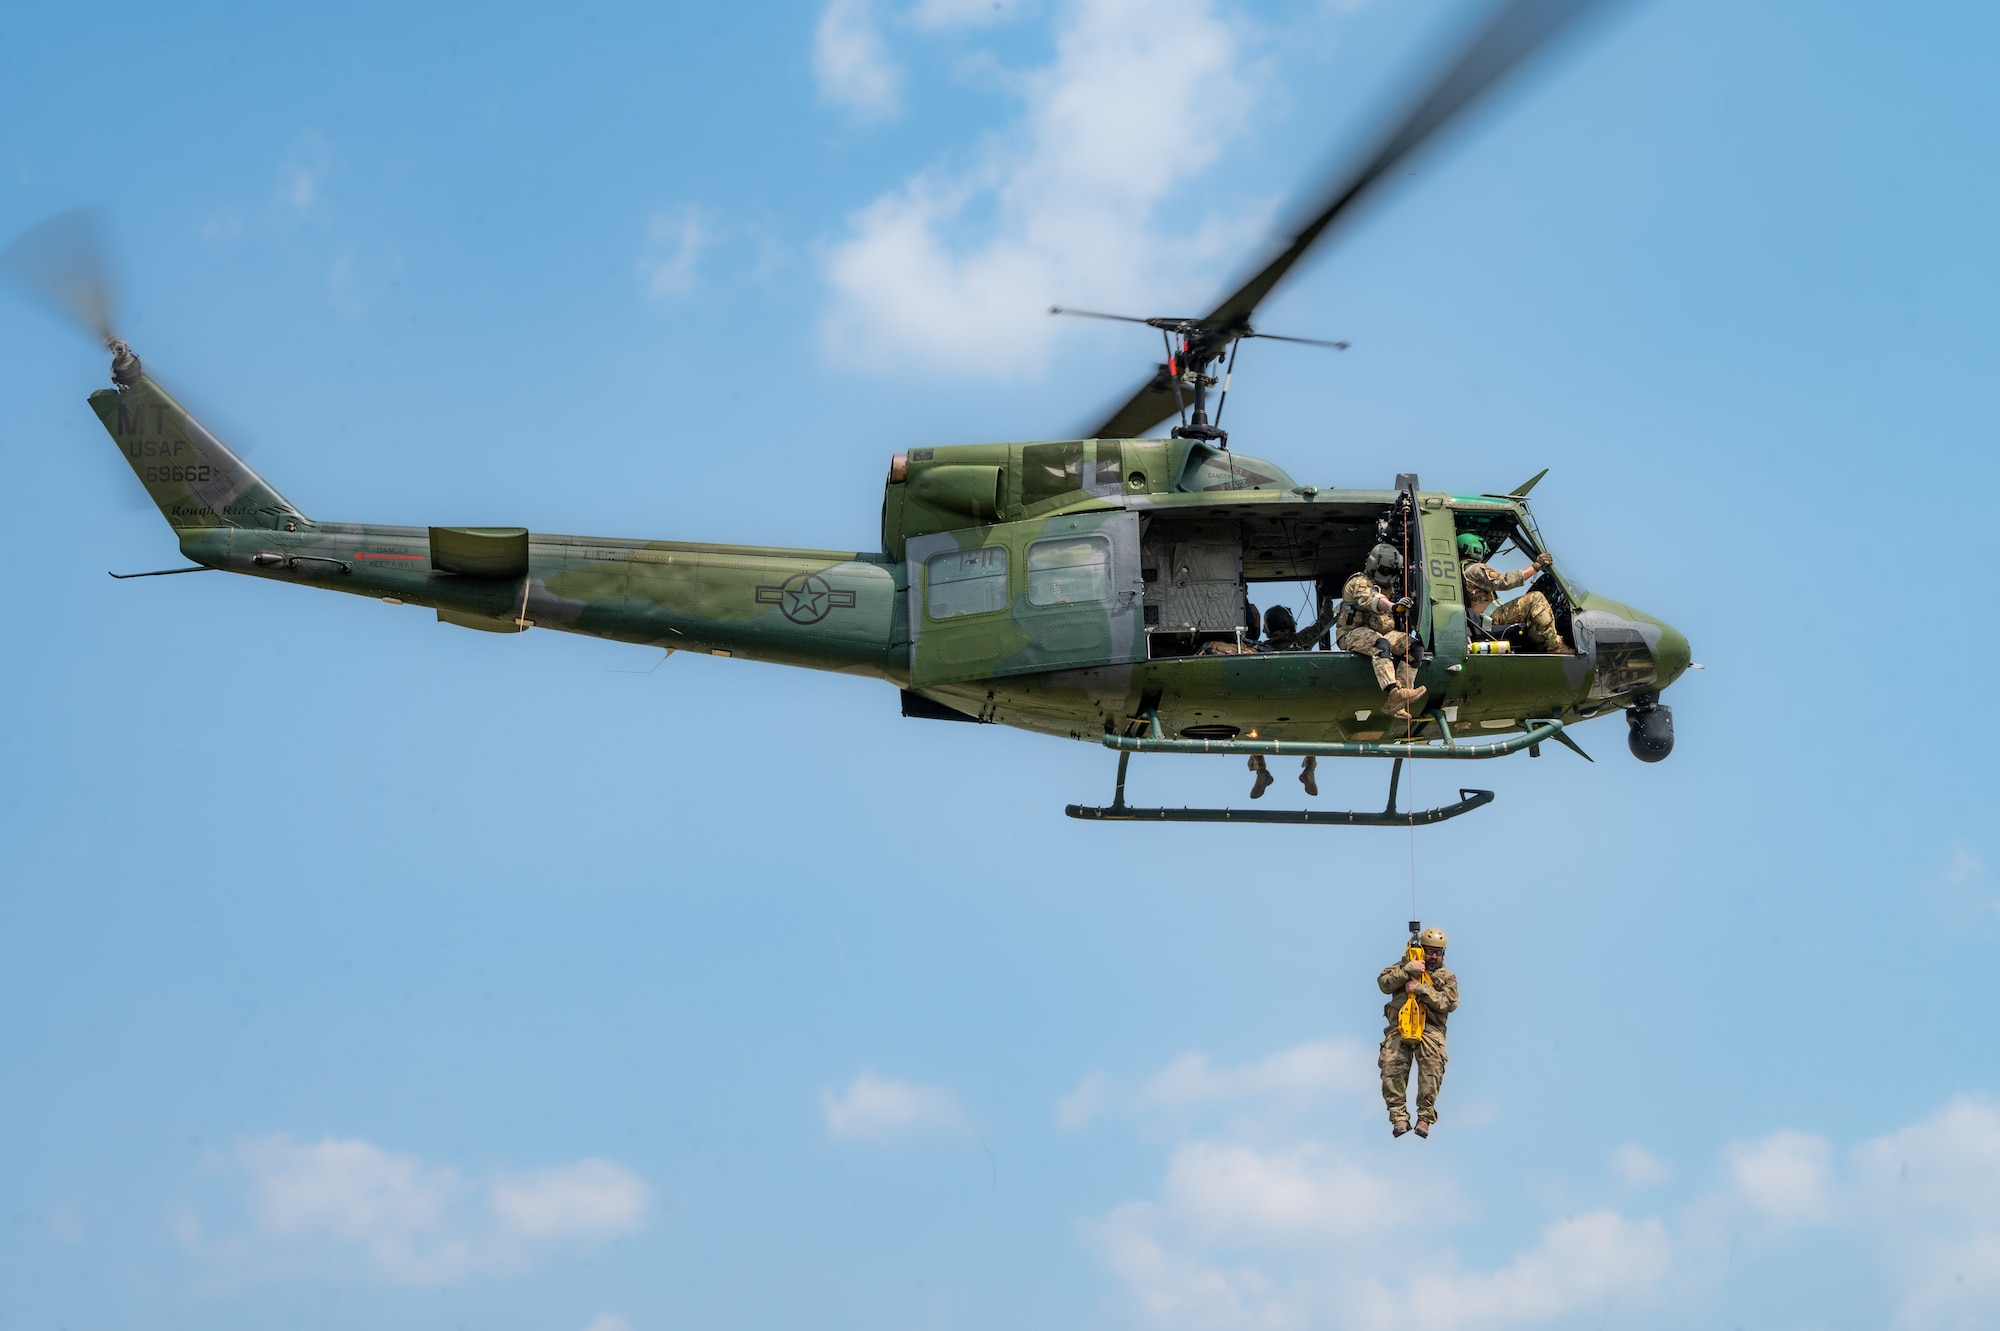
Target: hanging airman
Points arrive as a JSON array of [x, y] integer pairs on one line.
[[1422, 996]]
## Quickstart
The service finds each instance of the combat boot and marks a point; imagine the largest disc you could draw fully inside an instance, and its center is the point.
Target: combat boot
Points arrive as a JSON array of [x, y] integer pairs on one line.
[[1397, 701], [1398, 1126], [1306, 776], [1263, 782], [1423, 1127]]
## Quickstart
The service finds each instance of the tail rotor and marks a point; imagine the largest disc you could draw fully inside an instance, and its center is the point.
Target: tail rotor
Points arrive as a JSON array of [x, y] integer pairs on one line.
[[61, 264]]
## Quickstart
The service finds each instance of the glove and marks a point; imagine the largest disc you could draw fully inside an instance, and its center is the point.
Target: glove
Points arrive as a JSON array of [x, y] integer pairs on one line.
[[1405, 603], [1545, 560]]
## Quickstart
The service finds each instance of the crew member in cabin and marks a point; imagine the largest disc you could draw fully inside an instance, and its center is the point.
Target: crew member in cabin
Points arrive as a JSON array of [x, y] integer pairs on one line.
[[1484, 583], [1367, 627]]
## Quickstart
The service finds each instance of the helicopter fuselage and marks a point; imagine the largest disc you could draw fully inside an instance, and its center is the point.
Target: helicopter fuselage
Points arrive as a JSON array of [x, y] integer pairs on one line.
[[1064, 587]]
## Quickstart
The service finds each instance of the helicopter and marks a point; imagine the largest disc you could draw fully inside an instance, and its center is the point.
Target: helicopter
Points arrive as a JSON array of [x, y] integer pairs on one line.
[[1098, 588]]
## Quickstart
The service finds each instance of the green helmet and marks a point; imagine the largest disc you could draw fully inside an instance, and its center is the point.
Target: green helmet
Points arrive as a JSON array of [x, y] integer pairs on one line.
[[1471, 545]]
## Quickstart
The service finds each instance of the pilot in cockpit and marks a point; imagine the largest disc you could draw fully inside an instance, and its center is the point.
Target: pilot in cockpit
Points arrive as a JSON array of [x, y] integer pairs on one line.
[[1483, 585]]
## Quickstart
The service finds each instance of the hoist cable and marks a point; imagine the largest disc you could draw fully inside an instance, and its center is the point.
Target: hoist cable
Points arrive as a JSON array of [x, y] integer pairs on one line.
[[1409, 655]]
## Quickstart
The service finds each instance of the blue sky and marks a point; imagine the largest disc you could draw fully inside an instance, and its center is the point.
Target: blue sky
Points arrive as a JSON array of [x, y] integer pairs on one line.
[[359, 970]]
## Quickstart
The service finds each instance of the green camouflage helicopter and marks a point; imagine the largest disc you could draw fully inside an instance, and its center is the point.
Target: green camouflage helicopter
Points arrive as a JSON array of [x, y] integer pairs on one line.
[[1098, 588]]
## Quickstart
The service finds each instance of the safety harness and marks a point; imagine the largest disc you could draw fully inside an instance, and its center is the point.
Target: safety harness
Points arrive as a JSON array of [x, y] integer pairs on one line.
[[1410, 1017]]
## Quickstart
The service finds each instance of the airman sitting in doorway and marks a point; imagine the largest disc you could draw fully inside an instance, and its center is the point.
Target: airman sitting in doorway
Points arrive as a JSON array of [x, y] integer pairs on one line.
[[1367, 626]]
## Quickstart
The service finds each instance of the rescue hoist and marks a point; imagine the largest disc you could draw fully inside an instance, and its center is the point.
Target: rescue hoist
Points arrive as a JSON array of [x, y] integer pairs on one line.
[[1410, 1017]]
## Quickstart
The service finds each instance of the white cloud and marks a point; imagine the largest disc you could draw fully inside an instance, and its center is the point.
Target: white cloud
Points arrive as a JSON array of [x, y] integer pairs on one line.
[[1309, 1236], [1311, 1229], [1270, 1090], [934, 14], [302, 175], [1174, 1287], [1927, 1199], [876, 1108], [1314, 1071], [1785, 1178], [853, 67], [674, 241], [589, 1199], [1638, 1167], [1061, 207], [1236, 1195], [1314, 1230], [1598, 1259], [337, 1207], [1090, 1098], [1965, 868]]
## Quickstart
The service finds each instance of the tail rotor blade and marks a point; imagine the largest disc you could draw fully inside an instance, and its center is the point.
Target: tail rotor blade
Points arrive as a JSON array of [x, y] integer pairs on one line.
[[60, 262]]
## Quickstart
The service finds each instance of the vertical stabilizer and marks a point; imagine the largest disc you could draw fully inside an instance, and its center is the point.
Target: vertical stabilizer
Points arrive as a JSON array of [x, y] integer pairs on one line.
[[190, 474]]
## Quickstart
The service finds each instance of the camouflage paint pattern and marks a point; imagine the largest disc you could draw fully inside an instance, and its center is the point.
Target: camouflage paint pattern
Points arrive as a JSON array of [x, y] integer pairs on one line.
[[1048, 657]]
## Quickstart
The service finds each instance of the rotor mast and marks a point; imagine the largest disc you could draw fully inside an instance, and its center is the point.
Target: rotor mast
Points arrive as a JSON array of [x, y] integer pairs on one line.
[[1198, 352]]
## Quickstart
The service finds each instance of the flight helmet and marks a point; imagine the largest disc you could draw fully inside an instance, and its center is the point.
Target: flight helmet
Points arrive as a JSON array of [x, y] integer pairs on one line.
[[1385, 568]]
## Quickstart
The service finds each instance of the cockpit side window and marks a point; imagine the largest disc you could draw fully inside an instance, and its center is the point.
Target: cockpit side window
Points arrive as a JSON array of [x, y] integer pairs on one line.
[[1049, 471]]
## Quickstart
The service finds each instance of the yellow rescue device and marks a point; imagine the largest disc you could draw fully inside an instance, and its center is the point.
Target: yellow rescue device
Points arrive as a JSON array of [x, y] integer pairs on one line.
[[1410, 1017]]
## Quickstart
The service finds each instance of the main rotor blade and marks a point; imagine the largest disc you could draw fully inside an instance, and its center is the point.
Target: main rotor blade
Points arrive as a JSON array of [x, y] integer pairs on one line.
[[1302, 341], [1517, 30], [60, 262], [1098, 314], [1151, 403]]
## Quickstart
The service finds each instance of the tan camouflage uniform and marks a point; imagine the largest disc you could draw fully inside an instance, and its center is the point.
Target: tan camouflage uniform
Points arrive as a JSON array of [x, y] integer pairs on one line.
[[1437, 990], [1361, 626], [1483, 585]]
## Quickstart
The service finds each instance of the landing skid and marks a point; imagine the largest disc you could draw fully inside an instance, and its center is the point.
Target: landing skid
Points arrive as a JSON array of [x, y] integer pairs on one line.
[[1118, 811]]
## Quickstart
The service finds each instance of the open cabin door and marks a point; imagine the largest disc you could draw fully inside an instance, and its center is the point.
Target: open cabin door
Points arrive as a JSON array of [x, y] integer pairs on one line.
[[1020, 597], [1444, 602]]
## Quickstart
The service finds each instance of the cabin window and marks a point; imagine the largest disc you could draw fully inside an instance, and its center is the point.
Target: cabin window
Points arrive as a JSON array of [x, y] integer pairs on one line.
[[1068, 570], [966, 582]]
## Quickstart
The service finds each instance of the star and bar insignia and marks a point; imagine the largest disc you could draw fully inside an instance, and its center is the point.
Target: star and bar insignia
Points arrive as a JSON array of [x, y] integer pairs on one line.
[[805, 598]]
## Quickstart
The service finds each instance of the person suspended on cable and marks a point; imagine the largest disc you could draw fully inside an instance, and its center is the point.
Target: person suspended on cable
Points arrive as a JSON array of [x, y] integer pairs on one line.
[[1422, 996]]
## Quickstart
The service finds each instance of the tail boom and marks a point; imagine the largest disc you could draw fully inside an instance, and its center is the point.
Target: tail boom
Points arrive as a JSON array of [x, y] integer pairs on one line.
[[826, 610]]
